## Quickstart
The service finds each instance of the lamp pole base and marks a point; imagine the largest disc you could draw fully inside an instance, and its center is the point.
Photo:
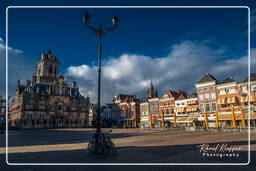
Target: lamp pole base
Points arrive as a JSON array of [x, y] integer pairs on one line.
[[101, 145]]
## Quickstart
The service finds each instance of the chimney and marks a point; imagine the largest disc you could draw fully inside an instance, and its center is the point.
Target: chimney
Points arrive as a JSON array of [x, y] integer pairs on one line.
[[73, 84]]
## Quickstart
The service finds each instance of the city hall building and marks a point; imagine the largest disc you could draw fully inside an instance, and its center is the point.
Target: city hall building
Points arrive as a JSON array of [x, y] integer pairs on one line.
[[48, 101]]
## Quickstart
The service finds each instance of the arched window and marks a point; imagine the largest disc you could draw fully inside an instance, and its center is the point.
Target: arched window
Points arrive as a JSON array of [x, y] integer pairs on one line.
[[50, 69]]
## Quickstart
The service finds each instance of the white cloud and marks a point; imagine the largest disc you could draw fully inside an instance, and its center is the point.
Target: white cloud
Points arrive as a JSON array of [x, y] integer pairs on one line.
[[19, 67], [180, 69]]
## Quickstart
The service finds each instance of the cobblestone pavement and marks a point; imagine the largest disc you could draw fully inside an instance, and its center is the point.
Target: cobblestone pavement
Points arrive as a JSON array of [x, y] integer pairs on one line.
[[134, 146]]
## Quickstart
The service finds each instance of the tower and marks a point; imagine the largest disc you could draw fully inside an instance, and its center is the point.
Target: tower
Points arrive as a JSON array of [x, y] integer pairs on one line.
[[48, 68], [152, 93]]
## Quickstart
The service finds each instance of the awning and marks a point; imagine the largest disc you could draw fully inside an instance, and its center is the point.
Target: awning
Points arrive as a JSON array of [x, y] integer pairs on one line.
[[184, 119], [182, 109], [191, 109], [194, 109], [231, 100], [244, 99], [222, 101], [237, 116], [253, 98], [192, 102], [179, 110]]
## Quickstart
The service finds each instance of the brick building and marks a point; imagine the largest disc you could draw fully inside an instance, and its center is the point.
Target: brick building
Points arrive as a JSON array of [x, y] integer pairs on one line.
[[144, 114], [128, 112], [167, 106], [207, 99]]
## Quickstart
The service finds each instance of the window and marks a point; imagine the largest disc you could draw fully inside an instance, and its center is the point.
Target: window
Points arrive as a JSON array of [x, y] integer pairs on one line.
[[253, 87], [2, 110], [211, 88], [223, 106], [3, 104], [213, 96], [199, 90], [205, 89], [182, 103], [222, 92], [206, 96], [201, 107], [178, 104], [207, 107], [231, 91], [214, 107], [201, 97], [244, 89]]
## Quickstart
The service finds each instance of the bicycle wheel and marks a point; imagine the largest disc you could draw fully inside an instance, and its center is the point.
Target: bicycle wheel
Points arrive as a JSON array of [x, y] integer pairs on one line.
[[112, 148], [90, 147]]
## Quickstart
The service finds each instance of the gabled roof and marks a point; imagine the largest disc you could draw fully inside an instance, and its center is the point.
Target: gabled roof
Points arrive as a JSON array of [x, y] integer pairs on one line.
[[252, 77], [182, 92], [206, 78], [174, 94], [170, 93], [193, 95], [181, 97], [228, 80]]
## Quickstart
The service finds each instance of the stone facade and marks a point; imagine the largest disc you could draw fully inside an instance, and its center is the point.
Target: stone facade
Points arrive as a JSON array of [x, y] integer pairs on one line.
[[47, 101]]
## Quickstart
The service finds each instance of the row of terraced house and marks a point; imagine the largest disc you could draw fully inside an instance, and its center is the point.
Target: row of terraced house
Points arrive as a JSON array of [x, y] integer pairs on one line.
[[216, 104]]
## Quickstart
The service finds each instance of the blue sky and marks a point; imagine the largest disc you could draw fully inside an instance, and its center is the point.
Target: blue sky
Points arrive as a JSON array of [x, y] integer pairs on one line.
[[141, 31], [171, 47]]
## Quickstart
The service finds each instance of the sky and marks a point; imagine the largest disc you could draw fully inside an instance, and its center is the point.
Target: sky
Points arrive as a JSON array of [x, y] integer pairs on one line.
[[173, 48]]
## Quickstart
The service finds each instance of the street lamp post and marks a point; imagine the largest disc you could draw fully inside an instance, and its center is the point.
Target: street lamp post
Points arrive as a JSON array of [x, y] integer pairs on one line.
[[100, 32]]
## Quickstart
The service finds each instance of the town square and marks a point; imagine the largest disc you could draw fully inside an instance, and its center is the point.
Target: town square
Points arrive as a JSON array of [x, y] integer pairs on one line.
[[105, 87]]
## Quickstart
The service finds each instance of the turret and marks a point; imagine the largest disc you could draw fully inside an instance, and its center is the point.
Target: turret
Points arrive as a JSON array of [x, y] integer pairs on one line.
[[73, 84]]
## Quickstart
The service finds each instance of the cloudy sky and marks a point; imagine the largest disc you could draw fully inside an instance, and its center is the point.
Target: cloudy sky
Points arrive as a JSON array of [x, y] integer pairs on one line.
[[166, 46]]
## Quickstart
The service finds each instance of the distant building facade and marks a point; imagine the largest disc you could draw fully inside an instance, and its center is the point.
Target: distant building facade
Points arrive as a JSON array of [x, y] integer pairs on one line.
[[245, 99], [2, 112], [126, 112], [207, 98], [92, 115], [153, 103], [144, 114], [47, 101], [130, 112]]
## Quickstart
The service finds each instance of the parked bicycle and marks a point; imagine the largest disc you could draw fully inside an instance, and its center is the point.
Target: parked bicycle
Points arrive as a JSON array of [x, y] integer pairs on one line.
[[104, 147]]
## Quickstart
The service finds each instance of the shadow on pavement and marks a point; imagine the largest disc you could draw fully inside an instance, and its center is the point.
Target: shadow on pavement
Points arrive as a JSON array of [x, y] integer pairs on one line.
[[136, 154], [157, 154], [54, 136]]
